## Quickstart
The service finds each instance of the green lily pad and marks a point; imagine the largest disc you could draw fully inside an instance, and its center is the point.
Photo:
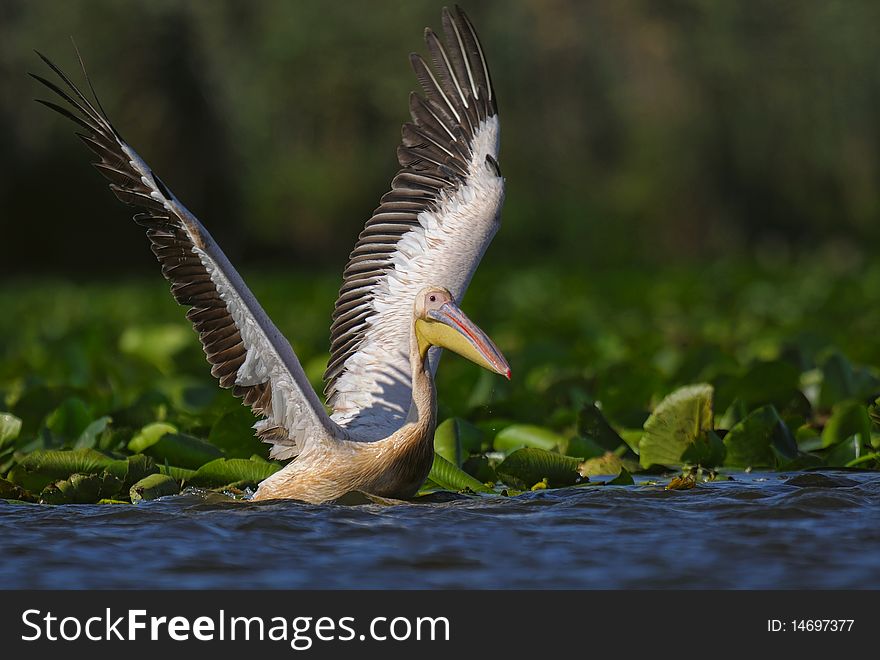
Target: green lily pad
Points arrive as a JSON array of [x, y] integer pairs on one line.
[[90, 433], [178, 473], [70, 419], [187, 451], [841, 381], [225, 471], [675, 424], [848, 419], [44, 466], [455, 440], [518, 436], [530, 465], [593, 426], [81, 489], [480, 469], [150, 435], [450, 477], [609, 463], [137, 467], [707, 450], [10, 491], [757, 440], [622, 479], [153, 487], [10, 427]]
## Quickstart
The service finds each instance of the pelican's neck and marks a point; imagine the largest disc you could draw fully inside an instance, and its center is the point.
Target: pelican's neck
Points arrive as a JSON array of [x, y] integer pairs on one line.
[[423, 408]]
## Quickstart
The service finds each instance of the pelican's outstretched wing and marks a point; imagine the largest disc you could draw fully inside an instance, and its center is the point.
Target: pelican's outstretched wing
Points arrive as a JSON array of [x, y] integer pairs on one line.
[[245, 349], [431, 229]]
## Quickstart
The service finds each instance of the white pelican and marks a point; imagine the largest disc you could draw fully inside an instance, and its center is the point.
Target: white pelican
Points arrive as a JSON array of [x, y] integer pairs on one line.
[[399, 295]]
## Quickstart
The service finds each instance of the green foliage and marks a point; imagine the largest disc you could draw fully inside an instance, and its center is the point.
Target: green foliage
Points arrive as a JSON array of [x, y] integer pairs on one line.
[[622, 479], [676, 423], [757, 440], [604, 369], [449, 477], [723, 86], [234, 434], [607, 464], [176, 448], [530, 465], [707, 450], [456, 439], [593, 426], [848, 419], [10, 427], [38, 469], [81, 489], [841, 381], [153, 487], [518, 436], [227, 471]]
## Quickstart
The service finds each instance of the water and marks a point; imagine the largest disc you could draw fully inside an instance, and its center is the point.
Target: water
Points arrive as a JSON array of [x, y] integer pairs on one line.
[[756, 532]]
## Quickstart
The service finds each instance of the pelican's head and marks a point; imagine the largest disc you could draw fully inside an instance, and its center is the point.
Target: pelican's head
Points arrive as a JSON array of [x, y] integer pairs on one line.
[[440, 322]]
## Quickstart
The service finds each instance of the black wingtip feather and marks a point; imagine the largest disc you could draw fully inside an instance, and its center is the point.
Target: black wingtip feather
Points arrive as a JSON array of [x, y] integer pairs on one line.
[[65, 113], [82, 65]]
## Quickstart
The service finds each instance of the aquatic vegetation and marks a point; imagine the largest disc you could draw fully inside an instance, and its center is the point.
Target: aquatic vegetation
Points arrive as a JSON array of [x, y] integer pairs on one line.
[[676, 375]]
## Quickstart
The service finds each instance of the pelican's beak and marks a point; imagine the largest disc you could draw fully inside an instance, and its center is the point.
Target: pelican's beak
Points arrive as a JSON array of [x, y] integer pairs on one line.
[[449, 327]]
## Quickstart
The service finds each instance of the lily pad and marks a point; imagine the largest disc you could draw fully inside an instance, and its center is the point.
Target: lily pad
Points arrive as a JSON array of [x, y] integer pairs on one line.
[[137, 467], [622, 479], [178, 473], [150, 435], [480, 469], [176, 448], [530, 465], [848, 419], [518, 436], [10, 427], [153, 487], [69, 419], [10, 491], [90, 433], [675, 424], [841, 381], [593, 426], [451, 477], [757, 440], [42, 467], [707, 450], [455, 440], [225, 471], [81, 489], [610, 463]]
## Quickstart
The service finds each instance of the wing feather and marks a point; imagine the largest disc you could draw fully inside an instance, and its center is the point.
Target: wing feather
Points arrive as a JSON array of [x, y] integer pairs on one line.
[[431, 228], [244, 348]]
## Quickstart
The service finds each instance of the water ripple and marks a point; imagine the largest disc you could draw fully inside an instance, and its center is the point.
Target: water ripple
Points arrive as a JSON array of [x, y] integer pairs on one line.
[[756, 532]]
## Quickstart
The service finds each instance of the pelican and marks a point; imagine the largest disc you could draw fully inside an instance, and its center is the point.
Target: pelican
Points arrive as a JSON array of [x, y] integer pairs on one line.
[[398, 304]]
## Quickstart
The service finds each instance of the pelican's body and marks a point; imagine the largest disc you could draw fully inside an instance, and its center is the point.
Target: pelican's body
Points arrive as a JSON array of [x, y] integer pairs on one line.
[[398, 299], [391, 467]]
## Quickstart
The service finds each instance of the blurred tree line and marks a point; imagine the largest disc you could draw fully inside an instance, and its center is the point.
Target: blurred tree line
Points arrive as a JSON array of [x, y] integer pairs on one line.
[[631, 129]]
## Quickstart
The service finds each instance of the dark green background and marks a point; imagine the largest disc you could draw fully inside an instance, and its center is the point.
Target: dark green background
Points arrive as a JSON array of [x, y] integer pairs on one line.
[[632, 131]]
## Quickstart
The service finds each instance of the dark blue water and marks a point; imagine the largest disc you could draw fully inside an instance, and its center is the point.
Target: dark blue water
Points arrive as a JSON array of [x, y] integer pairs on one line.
[[756, 532]]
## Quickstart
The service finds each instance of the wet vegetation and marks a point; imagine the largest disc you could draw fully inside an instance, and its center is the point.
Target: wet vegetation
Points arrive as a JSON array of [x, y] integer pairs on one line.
[[669, 376], [685, 282]]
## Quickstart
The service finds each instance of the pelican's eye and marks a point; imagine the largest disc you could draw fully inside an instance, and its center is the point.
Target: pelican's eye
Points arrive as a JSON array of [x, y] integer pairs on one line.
[[433, 298]]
